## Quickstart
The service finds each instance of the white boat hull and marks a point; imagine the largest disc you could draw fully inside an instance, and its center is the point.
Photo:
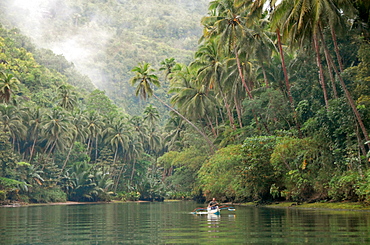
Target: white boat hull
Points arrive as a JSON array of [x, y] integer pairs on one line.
[[215, 211]]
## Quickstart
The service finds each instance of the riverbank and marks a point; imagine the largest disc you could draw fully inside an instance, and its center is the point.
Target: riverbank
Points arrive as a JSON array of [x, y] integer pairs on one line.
[[350, 206]]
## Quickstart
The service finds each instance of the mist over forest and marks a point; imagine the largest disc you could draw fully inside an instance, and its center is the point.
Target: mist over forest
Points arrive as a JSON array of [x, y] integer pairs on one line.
[[105, 39]]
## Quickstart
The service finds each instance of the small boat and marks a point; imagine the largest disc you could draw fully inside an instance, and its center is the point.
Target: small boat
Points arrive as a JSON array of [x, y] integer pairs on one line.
[[216, 210]]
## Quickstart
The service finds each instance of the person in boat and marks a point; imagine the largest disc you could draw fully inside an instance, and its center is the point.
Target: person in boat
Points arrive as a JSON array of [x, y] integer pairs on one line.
[[213, 204]]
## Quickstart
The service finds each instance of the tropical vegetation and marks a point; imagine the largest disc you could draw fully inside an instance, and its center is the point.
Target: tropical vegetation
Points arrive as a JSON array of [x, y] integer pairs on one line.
[[274, 105]]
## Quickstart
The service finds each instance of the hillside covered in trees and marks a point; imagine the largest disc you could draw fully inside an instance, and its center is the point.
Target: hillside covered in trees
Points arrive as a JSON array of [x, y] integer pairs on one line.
[[273, 104], [105, 39]]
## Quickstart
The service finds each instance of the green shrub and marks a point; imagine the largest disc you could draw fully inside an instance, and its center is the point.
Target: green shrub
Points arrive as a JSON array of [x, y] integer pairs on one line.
[[47, 195], [345, 186], [363, 190]]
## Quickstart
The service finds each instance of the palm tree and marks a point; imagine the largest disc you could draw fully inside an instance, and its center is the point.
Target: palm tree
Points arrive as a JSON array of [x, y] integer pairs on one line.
[[56, 129], [133, 153], [304, 21], [94, 128], [166, 66], [175, 128], [211, 69], [12, 122], [78, 130], [195, 101], [8, 85], [227, 21], [67, 99], [140, 128], [34, 127], [118, 135], [151, 115], [144, 78]]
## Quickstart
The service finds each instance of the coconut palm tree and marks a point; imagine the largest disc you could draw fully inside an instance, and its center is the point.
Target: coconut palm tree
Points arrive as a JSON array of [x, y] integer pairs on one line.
[[166, 66], [195, 101], [11, 119], [118, 135], [56, 129], [228, 22], [67, 99], [151, 115], [140, 128], [94, 128], [301, 20], [34, 127], [8, 85], [211, 69], [78, 131], [175, 127], [143, 79]]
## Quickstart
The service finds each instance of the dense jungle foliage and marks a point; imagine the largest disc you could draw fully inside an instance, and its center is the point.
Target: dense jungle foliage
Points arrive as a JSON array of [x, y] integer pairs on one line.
[[274, 105]]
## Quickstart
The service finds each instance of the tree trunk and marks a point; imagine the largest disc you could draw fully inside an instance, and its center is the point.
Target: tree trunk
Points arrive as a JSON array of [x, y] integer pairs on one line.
[[32, 149], [334, 38], [238, 110], [212, 147], [321, 71], [349, 99], [119, 178], [69, 153], [227, 106], [287, 84], [330, 70], [265, 76], [241, 74]]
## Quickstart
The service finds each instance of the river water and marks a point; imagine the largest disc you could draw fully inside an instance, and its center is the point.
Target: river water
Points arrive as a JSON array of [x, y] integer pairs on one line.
[[173, 223]]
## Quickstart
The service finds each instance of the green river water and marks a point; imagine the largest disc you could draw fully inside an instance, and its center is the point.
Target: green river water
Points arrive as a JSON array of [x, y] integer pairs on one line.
[[173, 223]]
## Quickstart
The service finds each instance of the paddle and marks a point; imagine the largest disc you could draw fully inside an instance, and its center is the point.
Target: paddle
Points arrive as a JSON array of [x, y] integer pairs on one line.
[[227, 207]]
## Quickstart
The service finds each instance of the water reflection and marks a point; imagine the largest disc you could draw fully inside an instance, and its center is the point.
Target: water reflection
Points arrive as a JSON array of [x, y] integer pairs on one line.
[[161, 223]]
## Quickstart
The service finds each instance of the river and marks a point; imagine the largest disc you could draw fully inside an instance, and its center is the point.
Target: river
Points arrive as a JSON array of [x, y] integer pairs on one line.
[[173, 223]]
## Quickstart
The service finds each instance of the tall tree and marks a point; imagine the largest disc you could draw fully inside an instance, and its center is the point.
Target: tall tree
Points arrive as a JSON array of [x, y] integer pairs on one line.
[[227, 21], [8, 85], [118, 135], [167, 66], [211, 70], [151, 115], [143, 79], [56, 129]]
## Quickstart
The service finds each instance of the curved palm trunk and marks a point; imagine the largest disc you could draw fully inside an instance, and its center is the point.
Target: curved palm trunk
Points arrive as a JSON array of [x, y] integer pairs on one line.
[[241, 74], [69, 153], [330, 70], [287, 84], [32, 149], [238, 112], [321, 72], [211, 126], [264, 75], [229, 114], [119, 178], [96, 149], [212, 147], [349, 98], [334, 38]]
